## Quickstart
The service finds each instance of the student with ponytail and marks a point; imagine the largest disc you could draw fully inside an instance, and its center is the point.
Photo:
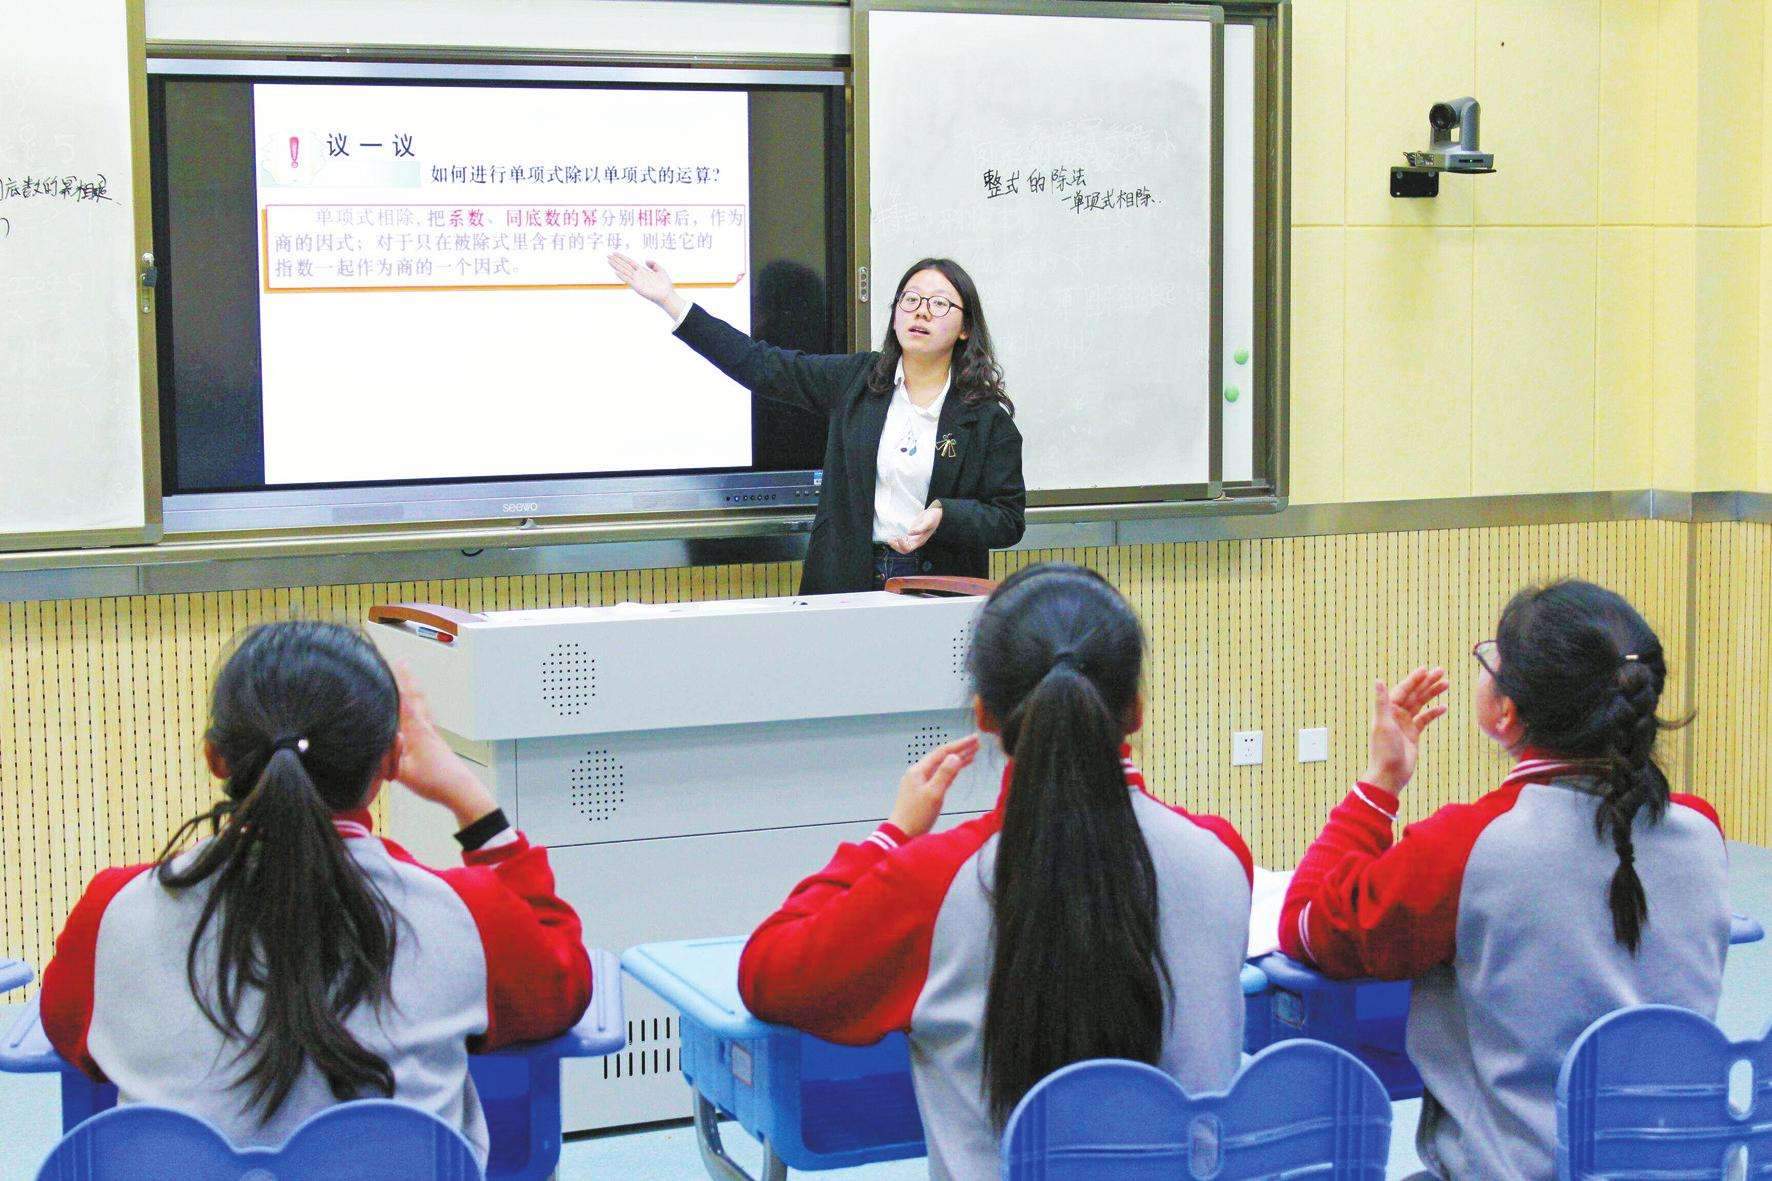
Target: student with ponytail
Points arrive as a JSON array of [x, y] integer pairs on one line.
[[292, 960], [1580, 886], [1080, 918]]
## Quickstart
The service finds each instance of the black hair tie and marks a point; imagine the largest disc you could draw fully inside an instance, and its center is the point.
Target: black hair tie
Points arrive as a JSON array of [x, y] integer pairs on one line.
[[1067, 658], [294, 742]]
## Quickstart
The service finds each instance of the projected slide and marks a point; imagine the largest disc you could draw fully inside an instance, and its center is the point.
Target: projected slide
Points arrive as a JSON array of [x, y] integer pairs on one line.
[[434, 301]]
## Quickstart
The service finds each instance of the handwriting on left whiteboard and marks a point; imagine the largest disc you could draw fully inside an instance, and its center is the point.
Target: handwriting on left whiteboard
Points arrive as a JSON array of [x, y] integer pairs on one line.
[[62, 188]]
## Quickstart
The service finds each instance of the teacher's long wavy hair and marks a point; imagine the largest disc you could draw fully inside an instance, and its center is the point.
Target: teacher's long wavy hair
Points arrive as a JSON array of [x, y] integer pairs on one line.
[[976, 374]]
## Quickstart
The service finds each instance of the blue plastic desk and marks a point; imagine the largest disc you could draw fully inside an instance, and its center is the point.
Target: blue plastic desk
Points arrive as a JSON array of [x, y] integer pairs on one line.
[[1743, 929], [813, 1104], [519, 1086], [1367, 1018], [14, 974]]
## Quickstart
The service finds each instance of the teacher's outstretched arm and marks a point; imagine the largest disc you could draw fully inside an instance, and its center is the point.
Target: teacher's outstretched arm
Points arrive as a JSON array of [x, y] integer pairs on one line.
[[814, 382]]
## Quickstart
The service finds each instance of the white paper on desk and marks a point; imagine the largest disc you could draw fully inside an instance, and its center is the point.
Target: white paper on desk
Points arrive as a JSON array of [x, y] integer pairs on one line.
[[1265, 901]]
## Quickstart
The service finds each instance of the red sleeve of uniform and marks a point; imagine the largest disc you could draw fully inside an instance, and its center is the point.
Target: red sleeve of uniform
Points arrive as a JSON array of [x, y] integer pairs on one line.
[[1359, 905], [846, 956], [1699, 805], [65, 999], [538, 975], [1221, 828]]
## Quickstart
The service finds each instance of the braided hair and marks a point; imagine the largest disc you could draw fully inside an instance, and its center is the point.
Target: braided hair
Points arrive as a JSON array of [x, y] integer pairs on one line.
[[1586, 673]]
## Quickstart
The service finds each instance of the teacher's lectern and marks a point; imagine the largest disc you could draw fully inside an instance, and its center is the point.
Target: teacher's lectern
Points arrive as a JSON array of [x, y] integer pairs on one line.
[[685, 763]]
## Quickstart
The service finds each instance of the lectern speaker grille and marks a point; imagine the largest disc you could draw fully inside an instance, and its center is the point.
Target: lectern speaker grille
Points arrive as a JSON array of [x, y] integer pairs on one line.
[[962, 644], [925, 739], [569, 679], [598, 785]]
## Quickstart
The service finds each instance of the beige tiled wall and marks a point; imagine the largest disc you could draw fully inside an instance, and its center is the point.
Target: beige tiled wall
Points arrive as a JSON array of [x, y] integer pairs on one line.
[[1760, 438], [1588, 317]]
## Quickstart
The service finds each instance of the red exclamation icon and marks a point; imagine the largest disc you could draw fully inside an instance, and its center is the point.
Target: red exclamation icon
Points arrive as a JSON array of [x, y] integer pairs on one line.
[[295, 151]]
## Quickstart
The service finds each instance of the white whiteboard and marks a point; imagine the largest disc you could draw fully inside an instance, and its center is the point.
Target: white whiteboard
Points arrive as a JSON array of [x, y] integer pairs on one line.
[[1102, 310], [71, 451]]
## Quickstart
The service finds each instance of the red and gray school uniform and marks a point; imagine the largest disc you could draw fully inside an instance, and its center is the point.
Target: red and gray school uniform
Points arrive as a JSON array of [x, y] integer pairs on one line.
[[1498, 911], [485, 955], [895, 935]]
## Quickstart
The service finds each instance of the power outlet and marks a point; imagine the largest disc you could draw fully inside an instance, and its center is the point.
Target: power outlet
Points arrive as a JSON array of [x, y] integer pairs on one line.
[[1246, 748], [1313, 745]]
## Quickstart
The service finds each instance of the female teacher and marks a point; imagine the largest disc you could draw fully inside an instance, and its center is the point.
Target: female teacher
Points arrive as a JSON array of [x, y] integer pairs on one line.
[[922, 461]]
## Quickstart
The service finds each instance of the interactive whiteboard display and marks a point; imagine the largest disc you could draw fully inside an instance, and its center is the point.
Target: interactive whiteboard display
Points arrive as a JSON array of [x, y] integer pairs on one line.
[[433, 297]]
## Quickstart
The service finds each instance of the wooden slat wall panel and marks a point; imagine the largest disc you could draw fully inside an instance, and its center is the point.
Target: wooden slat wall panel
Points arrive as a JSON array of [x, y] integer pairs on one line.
[[1733, 731], [103, 700], [1282, 634]]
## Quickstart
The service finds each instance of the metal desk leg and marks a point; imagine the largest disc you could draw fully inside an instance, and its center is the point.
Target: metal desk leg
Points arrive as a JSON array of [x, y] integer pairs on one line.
[[713, 1156]]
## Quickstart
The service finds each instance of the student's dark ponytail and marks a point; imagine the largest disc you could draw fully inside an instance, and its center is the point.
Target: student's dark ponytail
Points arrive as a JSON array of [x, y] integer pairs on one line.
[[1586, 673], [1077, 971], [303, 715]]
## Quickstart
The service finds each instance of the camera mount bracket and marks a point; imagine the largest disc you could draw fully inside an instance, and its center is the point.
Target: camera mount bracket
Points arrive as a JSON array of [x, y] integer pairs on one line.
[[1415, 182]]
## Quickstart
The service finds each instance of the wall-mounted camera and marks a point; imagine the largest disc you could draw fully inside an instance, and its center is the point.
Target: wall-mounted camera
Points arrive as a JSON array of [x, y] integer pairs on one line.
[[1452, 146]]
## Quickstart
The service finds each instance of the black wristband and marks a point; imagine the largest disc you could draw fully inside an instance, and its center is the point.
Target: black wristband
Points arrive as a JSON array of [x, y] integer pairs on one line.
[[482, 830]]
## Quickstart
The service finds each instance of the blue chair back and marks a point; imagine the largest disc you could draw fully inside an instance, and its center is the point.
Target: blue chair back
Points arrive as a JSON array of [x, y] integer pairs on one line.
[[1104, 1118], [1646, 1092], [366, 1140], [1297, 1108]]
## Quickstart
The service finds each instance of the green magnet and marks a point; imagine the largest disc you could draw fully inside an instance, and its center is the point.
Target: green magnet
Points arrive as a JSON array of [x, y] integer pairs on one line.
[[1241, 356], [1231, 393]]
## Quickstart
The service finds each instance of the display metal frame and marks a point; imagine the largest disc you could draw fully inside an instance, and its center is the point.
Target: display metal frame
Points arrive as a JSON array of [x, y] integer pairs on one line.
[[516, 499]]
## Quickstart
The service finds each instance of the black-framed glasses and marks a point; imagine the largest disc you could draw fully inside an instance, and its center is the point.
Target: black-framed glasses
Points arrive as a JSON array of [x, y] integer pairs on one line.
[[939, 305], [1487, 653]]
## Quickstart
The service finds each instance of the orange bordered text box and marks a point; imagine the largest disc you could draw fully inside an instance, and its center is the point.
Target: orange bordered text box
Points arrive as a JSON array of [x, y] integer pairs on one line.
[[342, 246]]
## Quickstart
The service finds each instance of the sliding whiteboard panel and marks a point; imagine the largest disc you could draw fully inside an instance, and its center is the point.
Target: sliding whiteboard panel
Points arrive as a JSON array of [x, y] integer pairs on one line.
[[1239, 358], [76, 467], [1069, 159]]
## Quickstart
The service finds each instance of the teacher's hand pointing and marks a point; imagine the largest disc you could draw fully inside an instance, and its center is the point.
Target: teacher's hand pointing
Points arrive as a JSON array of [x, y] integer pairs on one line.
[[649, 280]]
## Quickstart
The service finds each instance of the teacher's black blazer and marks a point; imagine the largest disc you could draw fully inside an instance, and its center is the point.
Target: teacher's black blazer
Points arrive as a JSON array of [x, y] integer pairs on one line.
[[977, 478]]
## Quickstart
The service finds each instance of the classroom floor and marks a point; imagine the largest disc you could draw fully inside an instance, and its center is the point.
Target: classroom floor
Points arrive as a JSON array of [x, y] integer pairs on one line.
[[29, 1105]]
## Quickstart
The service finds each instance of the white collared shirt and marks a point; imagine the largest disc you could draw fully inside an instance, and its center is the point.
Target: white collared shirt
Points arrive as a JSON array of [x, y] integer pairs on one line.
[[906, 460]]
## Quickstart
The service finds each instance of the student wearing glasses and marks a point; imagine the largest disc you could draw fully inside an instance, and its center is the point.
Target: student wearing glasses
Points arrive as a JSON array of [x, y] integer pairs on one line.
[[922, 463], [1581, 885]]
